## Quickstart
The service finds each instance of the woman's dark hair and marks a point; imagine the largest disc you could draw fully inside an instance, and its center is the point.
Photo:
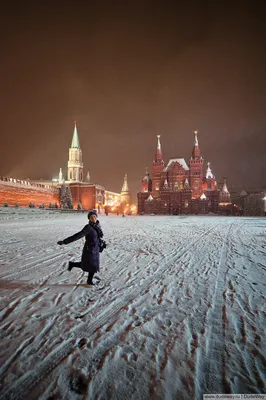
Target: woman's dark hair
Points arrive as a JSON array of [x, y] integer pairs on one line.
[[92, 213]]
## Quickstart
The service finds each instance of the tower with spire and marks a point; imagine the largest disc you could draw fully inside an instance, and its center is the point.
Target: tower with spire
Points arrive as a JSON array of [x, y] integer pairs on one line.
[[157, 169], [146, 183], [125, 193], [210, 179], [75, 164], [196, 165], [60, 177], [224, 193]]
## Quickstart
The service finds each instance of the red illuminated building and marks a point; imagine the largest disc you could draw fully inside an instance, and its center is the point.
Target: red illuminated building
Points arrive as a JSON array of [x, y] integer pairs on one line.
[[178, 188]]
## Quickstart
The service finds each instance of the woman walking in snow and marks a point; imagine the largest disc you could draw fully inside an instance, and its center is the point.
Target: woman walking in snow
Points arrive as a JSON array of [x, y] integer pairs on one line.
[[90, 260]]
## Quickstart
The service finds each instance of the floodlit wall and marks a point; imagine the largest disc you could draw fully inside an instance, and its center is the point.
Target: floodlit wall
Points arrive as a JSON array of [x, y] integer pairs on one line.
[[13, 192]]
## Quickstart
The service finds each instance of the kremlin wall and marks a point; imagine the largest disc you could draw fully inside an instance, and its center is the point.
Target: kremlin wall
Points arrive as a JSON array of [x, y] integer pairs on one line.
[[22, 193]]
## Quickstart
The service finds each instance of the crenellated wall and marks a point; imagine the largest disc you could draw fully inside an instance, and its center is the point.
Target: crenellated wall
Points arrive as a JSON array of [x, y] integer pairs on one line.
[[22, 193]]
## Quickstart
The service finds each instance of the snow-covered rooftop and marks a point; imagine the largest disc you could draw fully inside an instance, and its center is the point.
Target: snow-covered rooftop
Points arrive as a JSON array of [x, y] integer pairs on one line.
[[181, 161]]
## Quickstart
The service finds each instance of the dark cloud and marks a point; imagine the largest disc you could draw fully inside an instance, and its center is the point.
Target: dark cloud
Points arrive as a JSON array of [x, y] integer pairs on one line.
[[127, 71]]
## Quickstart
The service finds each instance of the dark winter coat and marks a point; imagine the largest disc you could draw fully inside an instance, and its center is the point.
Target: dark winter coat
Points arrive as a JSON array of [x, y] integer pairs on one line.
[[90, 260]]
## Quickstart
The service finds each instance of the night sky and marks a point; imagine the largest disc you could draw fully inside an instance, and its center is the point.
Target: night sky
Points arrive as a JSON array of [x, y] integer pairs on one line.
[[127, 71]]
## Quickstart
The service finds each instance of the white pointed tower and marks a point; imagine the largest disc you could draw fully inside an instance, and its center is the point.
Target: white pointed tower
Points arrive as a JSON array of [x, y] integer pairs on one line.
[[60, 177], [224, 193], [75, 164], [125, 193]]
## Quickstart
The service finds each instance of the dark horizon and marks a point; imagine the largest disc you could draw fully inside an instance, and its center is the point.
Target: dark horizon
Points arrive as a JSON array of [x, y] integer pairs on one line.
[[127, 72]]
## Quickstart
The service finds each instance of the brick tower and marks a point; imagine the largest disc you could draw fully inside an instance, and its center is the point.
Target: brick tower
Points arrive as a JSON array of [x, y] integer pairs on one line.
[[196, 165], [157, 170]]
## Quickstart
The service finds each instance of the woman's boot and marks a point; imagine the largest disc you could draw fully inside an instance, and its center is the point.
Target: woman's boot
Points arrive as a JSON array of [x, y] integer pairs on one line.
[[73, 264], [89, 280]]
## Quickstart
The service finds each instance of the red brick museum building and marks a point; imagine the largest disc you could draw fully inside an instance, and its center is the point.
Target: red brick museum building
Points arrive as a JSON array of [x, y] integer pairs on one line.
[[177, 188]]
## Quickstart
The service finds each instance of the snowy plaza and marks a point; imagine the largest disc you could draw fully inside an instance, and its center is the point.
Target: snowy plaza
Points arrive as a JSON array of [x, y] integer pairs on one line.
[[179, 309]]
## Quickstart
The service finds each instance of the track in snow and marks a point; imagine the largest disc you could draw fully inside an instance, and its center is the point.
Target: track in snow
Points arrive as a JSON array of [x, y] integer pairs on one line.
[[159, 288]]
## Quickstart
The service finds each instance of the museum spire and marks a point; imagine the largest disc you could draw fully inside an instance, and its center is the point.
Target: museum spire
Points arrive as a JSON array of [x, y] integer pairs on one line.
[[158, 154], [196, 150]]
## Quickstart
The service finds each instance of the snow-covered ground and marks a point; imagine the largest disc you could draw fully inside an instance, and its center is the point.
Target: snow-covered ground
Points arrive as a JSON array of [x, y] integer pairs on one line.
[[179, 311]]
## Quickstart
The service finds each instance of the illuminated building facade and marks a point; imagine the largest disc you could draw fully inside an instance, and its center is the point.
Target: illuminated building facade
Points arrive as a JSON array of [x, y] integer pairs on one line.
[[179, 188], [23, 192]]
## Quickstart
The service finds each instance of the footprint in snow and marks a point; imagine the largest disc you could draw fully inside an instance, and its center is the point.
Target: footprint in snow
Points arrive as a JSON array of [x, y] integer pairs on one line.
[[82, 342]]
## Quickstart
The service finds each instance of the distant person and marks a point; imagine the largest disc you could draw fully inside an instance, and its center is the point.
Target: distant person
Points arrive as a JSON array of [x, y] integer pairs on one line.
[[94, 244]]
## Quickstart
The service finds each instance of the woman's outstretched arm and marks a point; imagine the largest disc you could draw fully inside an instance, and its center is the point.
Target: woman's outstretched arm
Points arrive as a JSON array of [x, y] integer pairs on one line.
[[75, 237]]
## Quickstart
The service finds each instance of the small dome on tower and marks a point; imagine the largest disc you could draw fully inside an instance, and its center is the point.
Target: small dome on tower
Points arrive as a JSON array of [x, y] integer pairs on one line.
[[147, 175], [209, 173]]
